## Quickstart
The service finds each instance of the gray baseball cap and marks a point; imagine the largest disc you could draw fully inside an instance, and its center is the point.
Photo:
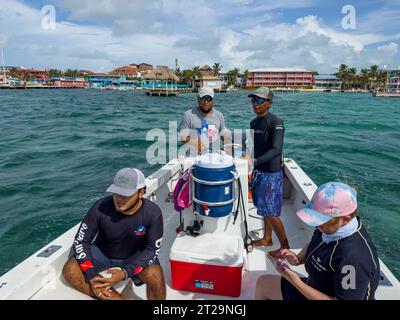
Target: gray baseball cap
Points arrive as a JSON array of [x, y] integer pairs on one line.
[[206, 91], [262, 92], [127, 182]]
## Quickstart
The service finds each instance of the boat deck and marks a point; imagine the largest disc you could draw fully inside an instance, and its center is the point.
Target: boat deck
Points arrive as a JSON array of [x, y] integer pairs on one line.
[[39, 277], [257, 263]]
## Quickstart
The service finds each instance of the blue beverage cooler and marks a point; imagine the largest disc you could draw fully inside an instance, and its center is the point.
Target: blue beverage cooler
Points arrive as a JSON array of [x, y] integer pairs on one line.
[[213, 177]]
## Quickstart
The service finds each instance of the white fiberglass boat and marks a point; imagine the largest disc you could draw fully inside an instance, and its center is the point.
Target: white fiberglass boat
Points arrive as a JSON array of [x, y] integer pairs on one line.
[[39, 276]]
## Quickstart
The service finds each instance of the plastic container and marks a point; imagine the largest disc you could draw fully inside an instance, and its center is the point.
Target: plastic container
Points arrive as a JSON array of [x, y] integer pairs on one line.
[[213, 176], [207, 263]]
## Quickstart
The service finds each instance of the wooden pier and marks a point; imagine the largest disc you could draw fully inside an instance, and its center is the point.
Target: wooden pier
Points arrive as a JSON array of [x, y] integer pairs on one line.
[[36, 87], [386, 94], [166, 93], [162, 93]]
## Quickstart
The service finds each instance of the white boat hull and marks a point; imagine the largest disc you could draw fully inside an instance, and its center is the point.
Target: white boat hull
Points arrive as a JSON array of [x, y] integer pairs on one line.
[[39, 277]]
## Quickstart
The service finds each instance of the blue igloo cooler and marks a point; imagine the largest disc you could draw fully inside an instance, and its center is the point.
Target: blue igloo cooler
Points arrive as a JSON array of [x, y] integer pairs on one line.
[[213, 176]]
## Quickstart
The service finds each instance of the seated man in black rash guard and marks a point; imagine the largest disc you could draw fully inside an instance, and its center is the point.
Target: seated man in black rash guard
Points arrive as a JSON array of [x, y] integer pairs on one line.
[[119, 238]]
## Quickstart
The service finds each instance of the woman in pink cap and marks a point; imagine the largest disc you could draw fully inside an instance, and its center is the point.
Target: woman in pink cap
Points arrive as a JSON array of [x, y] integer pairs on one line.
[[341, 260]]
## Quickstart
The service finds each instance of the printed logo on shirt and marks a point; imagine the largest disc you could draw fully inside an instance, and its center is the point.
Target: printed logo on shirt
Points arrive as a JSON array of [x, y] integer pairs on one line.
[[212, 130], [137, 270], [203, 129], [140, 231], [86, 265], [316, 262]]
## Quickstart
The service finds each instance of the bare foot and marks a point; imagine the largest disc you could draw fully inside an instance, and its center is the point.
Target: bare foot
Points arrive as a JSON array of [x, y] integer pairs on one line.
[[262, 243]]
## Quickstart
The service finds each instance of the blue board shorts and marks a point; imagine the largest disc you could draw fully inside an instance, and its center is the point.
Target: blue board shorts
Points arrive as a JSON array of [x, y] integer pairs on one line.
[[102, 262], [267, 192]]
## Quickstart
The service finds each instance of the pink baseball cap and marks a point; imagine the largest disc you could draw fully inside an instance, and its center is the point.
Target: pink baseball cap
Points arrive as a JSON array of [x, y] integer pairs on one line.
[[331, 200]]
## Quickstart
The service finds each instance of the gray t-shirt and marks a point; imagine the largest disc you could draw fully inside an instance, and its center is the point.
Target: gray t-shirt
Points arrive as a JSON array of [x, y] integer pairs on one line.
[[196, 124]]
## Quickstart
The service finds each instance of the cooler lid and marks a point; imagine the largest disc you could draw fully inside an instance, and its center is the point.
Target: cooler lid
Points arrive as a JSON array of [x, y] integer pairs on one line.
[[210, 249], [214, 160]]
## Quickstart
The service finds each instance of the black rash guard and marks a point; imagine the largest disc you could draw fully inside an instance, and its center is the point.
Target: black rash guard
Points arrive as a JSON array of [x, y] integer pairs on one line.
[[346, 269], [137, 237], [268, 143]]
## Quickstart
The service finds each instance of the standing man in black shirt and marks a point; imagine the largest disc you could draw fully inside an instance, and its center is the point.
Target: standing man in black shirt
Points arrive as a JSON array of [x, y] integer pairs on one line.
[[119, 238], [267, 177]]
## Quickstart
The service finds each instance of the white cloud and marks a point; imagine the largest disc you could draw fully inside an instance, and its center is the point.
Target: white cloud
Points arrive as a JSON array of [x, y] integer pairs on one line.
[[391, 48], [309, 43], [109, 10]]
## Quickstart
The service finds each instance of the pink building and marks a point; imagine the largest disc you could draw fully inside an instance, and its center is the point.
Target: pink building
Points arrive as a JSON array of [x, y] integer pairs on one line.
[[70, 83], [279, 77]]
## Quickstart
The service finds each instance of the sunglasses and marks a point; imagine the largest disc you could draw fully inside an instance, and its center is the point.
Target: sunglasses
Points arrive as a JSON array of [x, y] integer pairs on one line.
[[255, 100], [206, 98]]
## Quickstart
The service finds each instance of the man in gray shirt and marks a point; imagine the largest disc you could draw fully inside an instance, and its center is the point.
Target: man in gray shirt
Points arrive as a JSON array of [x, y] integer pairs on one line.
[[202, 126]]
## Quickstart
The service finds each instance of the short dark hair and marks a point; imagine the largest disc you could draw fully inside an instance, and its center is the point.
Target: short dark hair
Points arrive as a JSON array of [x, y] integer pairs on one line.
[[354, 214]]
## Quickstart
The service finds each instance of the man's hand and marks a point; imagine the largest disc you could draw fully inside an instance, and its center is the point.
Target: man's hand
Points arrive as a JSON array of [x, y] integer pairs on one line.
[[114, 295], [200, 147], [100, 293], [103, 282], [249, 161]]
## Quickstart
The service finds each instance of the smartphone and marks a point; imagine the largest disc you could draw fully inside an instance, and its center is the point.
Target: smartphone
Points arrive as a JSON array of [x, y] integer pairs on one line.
[[107, 275]]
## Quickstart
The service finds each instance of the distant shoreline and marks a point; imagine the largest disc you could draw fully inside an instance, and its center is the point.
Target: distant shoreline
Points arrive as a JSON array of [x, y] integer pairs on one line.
[[235, 90]]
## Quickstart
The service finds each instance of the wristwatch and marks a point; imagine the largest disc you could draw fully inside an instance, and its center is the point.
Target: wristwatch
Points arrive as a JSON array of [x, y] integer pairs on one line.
[[125, 274]]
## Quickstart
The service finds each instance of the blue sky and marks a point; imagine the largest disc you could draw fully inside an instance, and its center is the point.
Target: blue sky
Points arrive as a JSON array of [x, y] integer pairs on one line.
[[101, 34]]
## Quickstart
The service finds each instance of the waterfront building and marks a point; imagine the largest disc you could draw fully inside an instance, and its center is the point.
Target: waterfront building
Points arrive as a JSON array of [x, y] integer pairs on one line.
[[327, 82], [159, 77], [128, 71], [144, 66], [102, 80], [37, 74], [224, 78], [393, 80], [69, 82], [208, 79], [14, 81], [85, 72], [7, 69], [280, 77]]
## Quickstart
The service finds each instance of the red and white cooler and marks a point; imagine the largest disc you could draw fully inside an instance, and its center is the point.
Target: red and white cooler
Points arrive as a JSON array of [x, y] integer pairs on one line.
[[208, 263]]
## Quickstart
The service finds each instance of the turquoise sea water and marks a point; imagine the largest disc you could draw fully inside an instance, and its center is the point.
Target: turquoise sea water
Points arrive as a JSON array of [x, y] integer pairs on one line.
[[60, 149]]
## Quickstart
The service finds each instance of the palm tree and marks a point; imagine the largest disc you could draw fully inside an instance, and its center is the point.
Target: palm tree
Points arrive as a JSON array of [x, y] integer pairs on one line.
[[26, 76], [244, 77], [196, 72], [365, 78], [343, 75], [186, 76], [71, 73], [373, 71], [216, 68], [14, 73], [54, 73], [232, 76], [381, 79], [352, 77]]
